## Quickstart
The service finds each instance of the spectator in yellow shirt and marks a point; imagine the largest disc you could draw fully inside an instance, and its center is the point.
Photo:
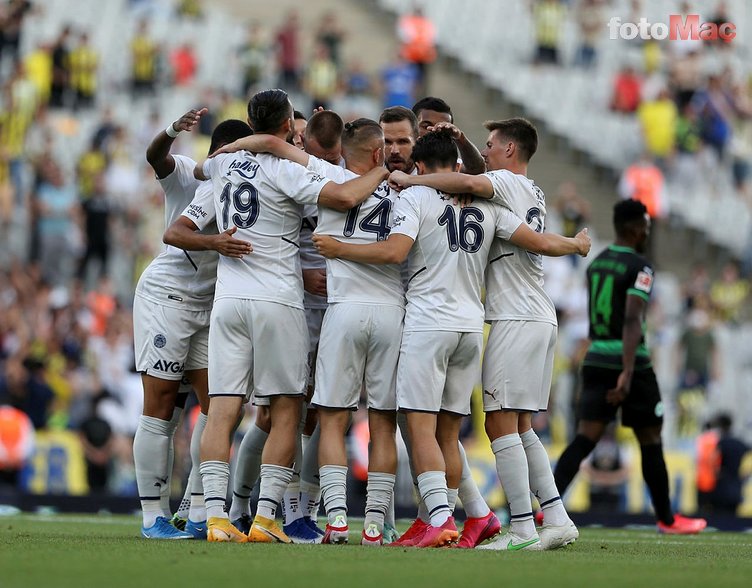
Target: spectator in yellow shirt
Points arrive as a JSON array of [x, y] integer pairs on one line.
[[658, 119]]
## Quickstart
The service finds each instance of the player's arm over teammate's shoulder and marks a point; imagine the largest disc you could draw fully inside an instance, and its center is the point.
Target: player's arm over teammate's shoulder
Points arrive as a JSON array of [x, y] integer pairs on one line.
[[265, 143], [392, 250], [514, 230], [449, 182], [183, 233], [158, 152], [345, 196]]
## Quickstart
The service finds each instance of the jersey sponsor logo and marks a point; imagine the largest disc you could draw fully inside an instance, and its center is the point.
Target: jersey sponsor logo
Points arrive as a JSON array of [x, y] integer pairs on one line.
[[160, 341], [239, 167], [174, 367], [196, 211], [644, 280], [398, 221], [316, 178]]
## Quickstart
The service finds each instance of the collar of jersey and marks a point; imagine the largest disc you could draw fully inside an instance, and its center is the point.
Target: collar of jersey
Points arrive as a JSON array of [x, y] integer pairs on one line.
[[621, 248]]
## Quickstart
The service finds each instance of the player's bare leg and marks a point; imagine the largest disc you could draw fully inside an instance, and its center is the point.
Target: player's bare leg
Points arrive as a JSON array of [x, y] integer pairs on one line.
[[382, 469]]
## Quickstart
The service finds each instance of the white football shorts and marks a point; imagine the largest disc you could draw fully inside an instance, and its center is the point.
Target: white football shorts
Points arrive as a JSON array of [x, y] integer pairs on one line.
[[438, 370], [257, 347], [359, 348], [518, 365], [168, 340]]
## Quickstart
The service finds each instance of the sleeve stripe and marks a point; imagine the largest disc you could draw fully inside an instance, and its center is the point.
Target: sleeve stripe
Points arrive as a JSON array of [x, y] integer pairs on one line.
[[641, 294]]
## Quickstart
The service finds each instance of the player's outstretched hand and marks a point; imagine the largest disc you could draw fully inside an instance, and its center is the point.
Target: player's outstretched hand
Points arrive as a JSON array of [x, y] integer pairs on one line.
[[314, 281], [189, 120], [584, 242], [327, 246], [225, 244], [399, 180], [454, 130], [615, 396]]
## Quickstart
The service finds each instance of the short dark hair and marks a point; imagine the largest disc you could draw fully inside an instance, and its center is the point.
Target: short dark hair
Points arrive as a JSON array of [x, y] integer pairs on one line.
[[297, 115], [326, 127], [398, 114], [437, 149], [359, 131], [228, 131], [519, 131], [432, 103], [268, 110], [627, 213]]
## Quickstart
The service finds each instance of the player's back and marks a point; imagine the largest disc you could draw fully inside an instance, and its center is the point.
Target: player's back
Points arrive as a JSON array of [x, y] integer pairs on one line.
[[263, 197], [447, 261], [370, 221], [615, 274], [514, 279]]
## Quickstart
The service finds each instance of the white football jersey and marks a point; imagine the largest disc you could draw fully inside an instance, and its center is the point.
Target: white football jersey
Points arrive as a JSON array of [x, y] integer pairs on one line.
[[183, 279], [449, 257], [310, 258], [263, 197], [514, 280], [370, 221]]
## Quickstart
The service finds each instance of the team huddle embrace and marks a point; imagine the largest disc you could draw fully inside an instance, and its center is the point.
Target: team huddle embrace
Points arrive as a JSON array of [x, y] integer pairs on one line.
[[312, 264]]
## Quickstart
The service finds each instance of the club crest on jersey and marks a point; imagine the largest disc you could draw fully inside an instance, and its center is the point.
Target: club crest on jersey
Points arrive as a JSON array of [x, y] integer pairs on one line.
[[644, 280], [160, 341]]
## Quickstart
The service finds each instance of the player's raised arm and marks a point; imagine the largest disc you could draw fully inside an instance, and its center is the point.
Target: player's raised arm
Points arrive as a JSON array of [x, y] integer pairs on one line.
[[472, 160], [345, 196], [158, 151], [449, 182], [393, 250]]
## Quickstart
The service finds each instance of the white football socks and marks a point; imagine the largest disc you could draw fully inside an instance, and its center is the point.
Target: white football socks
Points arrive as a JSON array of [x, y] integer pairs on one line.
[[150, 459], [215, 476], [473, 503], [334, 490], [274, 482], [197, 510], [542, 480], [310, 487], [165, 490], [247, 470], [511, 465], [379, 492], [433, 491]]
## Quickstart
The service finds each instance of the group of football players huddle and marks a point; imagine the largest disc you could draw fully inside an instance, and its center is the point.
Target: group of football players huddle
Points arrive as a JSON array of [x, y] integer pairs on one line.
[[312, 264]]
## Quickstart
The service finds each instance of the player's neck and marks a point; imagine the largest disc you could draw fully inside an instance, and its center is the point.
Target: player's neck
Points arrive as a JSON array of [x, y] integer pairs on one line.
[[619, 242], [359, 167]]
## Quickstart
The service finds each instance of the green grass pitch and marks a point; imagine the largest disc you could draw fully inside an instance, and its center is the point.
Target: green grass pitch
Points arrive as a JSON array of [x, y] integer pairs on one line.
[[107, 552]]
